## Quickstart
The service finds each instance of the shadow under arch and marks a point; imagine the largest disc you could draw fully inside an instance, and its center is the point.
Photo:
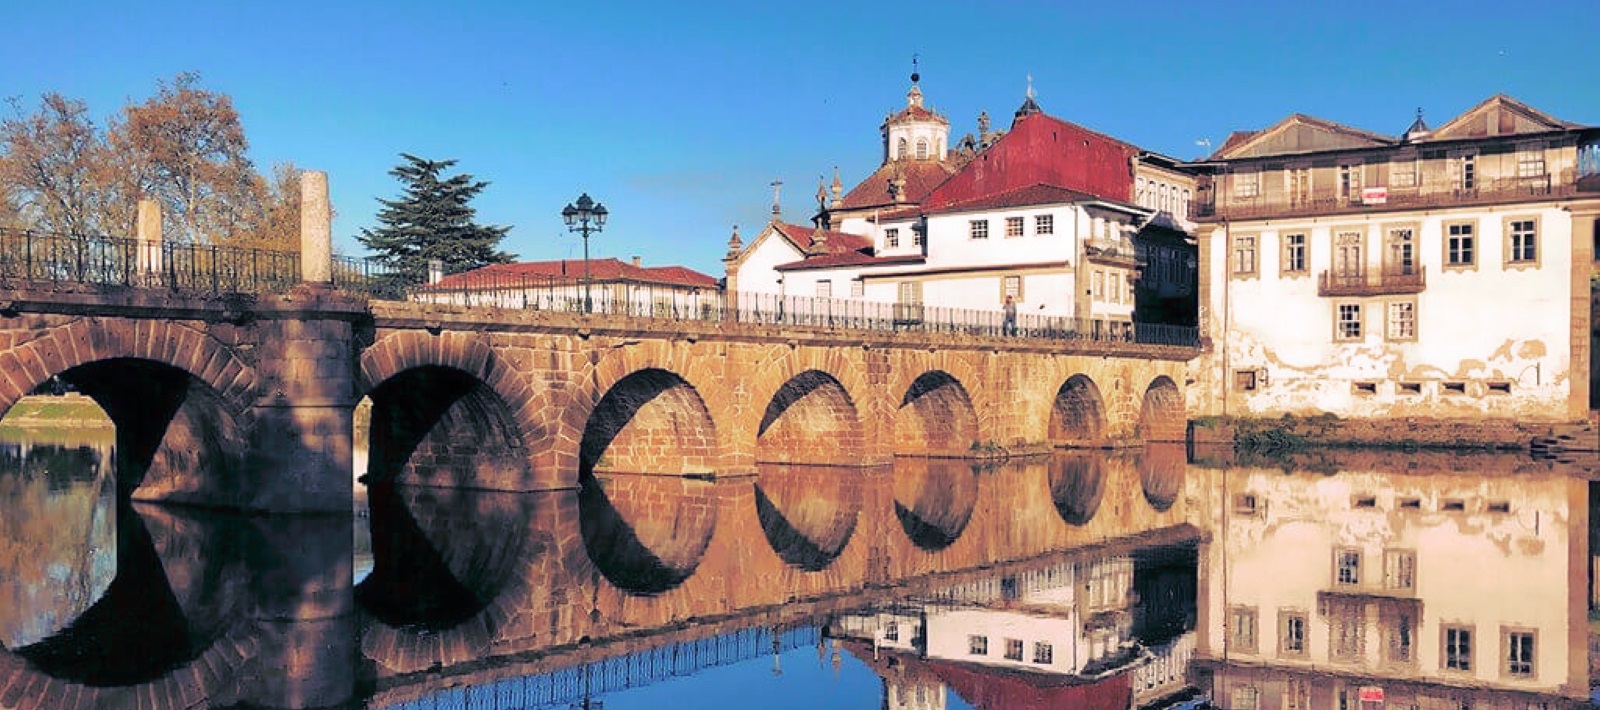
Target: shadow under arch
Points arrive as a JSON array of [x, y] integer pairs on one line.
[[651, 421], [934, 500], [808, 513], [935, 418], [175, 435], [1078, 415], [1162, 466], [1162, 414], [440, 555], [812, 420], [1077, 484], [646, 534], [439, 426]]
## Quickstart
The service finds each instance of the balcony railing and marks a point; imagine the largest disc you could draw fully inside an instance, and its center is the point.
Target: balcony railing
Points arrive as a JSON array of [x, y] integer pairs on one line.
[[1376, 282], [1429, 195]]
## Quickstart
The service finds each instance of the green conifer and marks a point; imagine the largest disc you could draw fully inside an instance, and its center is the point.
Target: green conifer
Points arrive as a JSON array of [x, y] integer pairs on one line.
[[432, 220]]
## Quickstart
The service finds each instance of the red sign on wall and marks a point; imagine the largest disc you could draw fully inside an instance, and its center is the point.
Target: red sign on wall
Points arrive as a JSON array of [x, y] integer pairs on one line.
[[1370, 694]]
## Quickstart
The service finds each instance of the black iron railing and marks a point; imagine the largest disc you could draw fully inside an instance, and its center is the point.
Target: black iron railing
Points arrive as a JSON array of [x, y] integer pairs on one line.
[[98, 261], [1387, 281]]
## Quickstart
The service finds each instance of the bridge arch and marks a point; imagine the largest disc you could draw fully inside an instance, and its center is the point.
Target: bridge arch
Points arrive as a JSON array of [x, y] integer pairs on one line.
[[1078, 414], [1161, 413], [935, 418], [806, 407], [1077, 485], [178, 397], [446, 411]]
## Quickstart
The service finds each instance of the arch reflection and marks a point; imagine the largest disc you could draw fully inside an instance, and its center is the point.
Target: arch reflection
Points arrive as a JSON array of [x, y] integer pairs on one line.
[[934, 500], [808, 513]]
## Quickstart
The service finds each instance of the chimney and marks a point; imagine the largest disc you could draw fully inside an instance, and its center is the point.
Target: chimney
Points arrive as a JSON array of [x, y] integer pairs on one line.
[[435, 271], [635, 261]]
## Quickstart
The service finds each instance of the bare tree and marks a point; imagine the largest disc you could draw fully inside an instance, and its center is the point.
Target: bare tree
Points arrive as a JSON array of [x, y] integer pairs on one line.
[[54, 168]]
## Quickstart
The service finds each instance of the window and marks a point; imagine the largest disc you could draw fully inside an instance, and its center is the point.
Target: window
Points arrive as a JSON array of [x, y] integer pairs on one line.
[[1519, 653], [1347, 567], [891, 237], [916, 237], [1296, 695], [1244, 380], [1116, 287], [1246, 697], [1347, 321], [1349, 181], [1399, 569], [1347, 255], [1399, 632], [1522, 241], [978, 229], [1403, 172], [900, 149], [978, 645], [1530, 161], [1348, 632], [1466, 172], [1099, 281], [1298, 185], [1291, 633], [1014, 649], [1460, 244], [1246, 185], [1457, 648], [1044, 224], [1401, 323], [1011, 286], [1242, 633], [824, 289], [1294, 253], [910, 292], [858, 288], [891, 631], [1245, 504], [1043, 653], [1244, 255], [922, 149], [1401, 257], [1013, 226]]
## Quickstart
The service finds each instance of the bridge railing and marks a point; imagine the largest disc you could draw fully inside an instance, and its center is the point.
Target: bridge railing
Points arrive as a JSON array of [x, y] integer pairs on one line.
[[710, 304], [99, 261]]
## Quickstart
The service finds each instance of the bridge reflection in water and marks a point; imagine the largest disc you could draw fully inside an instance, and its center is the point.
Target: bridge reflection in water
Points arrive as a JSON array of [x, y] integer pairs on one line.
[[1085, 579]]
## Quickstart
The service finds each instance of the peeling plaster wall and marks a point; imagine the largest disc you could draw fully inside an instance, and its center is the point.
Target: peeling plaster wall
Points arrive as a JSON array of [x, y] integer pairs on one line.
[[1493, 339]]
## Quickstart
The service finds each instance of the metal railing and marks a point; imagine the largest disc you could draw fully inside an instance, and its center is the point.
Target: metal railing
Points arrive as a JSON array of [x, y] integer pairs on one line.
[[99, 261], [641, 300], [1431, 194], [1375, 282]]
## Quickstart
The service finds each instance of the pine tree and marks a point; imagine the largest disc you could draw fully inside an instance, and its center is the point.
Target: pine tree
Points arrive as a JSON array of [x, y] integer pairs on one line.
[[432, 220]]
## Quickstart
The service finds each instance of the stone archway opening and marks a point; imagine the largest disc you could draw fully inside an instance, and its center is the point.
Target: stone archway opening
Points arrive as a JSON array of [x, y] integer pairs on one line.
[[936, 418], [176, 437], [1077, 485], [442, 427], [647, 511], [1161, 415], [811, 420], [1078, 416]]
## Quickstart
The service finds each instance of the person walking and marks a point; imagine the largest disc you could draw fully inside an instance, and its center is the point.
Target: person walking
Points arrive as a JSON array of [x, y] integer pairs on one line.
[[1009, 325]]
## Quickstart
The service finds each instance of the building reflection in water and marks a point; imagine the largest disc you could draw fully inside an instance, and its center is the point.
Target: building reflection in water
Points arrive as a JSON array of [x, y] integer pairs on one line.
[[1460, 583]]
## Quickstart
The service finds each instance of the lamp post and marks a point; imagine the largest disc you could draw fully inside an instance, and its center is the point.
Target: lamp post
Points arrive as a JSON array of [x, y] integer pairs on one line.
[[584, 217]]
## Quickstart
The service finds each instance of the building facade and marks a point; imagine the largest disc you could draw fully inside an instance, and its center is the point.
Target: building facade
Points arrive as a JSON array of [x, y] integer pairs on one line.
[[1441, 273]]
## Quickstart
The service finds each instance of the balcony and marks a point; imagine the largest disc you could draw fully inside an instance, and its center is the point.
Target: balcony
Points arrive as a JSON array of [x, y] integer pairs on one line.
[[1376, 282], [1431, 194]]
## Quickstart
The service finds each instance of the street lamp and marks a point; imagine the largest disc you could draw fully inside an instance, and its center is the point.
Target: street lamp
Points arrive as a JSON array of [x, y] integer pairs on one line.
[[585, 217]]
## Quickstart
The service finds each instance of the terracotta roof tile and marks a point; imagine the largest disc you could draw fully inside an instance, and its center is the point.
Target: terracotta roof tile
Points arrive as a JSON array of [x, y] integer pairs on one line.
[[849, 259], [838, 242], [921, 177], [609, 269], [1037, 194]]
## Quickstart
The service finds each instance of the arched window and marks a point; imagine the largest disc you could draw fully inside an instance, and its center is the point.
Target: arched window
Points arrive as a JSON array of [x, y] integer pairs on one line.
[[1139, 197], [900, 149], [922, 149]]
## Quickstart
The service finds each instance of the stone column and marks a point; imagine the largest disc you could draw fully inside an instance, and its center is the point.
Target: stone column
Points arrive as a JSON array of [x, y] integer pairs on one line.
[[148, 238], [316, 228]]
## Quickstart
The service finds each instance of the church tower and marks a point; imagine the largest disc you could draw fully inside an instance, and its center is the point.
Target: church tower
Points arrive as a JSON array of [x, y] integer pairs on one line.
[[915, 132]]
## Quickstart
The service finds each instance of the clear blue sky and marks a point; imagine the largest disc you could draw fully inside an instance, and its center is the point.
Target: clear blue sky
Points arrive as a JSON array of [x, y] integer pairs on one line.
[[677, 115]]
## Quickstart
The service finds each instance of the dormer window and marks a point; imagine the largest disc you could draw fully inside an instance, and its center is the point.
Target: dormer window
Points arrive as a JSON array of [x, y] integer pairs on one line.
[[891, 238]]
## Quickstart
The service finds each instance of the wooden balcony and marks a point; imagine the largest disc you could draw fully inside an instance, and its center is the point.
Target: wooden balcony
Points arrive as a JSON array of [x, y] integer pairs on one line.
[[1374, 282]]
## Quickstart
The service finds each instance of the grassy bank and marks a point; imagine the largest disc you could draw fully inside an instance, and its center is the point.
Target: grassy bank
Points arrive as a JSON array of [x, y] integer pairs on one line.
[[51, 414]]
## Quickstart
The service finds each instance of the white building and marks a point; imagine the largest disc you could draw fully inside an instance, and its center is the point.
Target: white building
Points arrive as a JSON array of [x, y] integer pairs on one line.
[[1443, 273]]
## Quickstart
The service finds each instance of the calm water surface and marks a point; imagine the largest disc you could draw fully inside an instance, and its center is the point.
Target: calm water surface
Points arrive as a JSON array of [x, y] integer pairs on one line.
[[1093, 580]]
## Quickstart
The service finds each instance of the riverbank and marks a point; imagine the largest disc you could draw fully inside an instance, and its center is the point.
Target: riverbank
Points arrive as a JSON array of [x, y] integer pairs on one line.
[[1290, 433], [36, 414]]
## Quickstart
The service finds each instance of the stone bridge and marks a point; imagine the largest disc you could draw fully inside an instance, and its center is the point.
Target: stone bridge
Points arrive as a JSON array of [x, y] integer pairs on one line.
[[247, 402]]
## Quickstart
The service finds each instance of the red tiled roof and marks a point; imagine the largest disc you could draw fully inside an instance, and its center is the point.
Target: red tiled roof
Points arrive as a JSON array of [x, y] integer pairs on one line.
[[915, 113], [599, 270], [838, 242], [1043, 149], [988, 688], [921, 177], [1038, 194]]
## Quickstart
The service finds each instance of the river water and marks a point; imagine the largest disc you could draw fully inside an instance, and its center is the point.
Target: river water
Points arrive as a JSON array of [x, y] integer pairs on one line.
[[1084, 579]]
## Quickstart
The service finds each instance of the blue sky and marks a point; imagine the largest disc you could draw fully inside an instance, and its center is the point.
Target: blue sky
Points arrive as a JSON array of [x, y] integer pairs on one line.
[[677, 115]]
